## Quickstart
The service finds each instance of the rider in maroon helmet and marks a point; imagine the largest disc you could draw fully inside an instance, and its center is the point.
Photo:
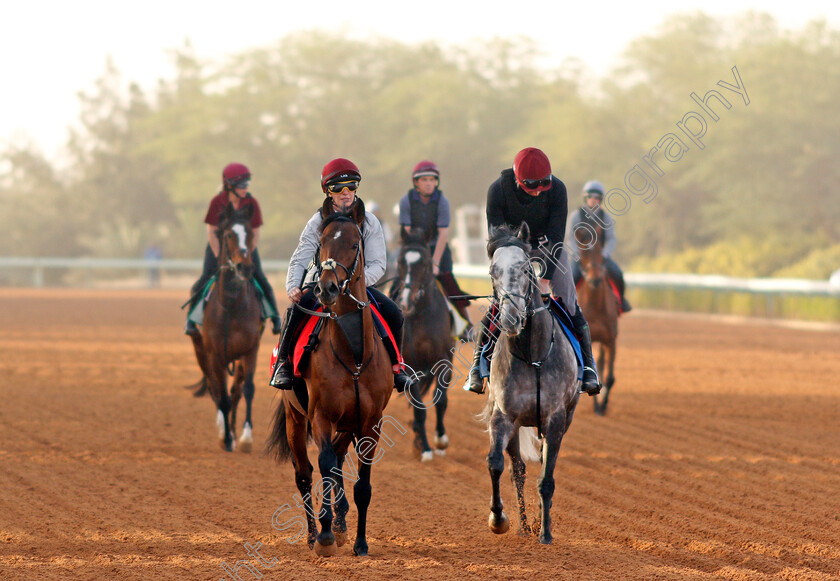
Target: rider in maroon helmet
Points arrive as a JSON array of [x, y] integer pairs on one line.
[[235, 180], [339, 181], [529, 193]]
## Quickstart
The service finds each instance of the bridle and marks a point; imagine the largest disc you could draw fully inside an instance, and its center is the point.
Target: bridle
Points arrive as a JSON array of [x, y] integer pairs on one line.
[[504, 295], [331, 264], [429, 280]]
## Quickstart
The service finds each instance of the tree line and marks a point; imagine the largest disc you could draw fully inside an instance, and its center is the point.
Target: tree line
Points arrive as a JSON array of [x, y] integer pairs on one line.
[[750, 194]]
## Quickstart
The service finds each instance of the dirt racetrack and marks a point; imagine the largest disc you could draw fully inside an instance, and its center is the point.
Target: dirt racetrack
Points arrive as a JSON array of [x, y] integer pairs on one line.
[[719, 459]]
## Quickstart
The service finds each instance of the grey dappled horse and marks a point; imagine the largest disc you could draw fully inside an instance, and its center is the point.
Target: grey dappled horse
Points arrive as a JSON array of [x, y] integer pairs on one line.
[[533, 379]]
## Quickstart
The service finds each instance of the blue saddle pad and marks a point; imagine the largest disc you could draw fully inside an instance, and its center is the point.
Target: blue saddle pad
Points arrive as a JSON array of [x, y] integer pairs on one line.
[[565, 325]]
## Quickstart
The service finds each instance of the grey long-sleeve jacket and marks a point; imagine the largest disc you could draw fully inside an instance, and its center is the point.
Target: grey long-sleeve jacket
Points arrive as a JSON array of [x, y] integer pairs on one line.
[[606, 222], [301, 265]]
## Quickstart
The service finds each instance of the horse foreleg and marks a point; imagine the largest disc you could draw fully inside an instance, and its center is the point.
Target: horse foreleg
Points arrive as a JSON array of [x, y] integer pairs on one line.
[[325, 545], [342, 505], [366, 450], [421, 442], [235, 396], [217, 381], [555, 430], [517, 478], [441, 403], [246, 441], [501, 431]]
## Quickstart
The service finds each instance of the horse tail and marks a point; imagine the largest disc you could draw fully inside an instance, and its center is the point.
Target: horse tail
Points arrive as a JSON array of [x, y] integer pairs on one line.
[[277, 444], [529, 444]]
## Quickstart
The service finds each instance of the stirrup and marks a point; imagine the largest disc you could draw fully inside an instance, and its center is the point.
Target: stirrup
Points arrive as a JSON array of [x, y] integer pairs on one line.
[[591, 390], [475, 383], [403, 381], [190, 328]]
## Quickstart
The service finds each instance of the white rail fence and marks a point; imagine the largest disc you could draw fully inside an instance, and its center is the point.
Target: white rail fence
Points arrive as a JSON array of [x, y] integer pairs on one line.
[[768, 286]]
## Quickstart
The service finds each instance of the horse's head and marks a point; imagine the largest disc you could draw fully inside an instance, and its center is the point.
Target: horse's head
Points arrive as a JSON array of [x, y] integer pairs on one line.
[[415, 269], [341, 260], [512, 275], [236, 240], [589, 235]]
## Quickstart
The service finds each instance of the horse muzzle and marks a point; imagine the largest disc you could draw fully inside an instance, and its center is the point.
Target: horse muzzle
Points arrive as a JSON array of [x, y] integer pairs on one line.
[[327, 292]]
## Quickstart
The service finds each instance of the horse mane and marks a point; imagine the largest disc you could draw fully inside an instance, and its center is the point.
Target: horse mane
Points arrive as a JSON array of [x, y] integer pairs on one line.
[[502, 236], [336, 217], [229, 218], [414, 238]]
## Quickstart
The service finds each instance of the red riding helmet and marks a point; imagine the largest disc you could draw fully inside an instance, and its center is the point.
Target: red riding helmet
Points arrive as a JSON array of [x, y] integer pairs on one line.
[[235, 173], [532, 165], [426, 168], [339, 170]]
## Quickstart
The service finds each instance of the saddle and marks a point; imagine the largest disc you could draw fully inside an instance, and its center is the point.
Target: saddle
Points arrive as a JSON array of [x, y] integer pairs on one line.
[[308, 339], [196, 315], [559, 314]]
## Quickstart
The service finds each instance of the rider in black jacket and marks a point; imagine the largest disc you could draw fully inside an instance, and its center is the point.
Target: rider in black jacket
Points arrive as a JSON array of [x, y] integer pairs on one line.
[[529, 193]]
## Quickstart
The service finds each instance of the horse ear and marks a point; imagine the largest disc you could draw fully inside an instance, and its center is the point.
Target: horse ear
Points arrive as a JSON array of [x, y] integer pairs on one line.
[[524, 233], [404, 233], [358, 212], [249, 212], [326, 207], [229, 210]]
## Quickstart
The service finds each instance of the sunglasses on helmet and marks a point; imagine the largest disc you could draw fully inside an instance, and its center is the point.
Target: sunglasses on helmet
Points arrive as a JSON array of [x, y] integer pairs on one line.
[[339, 187], [241, 185], [534, 184]]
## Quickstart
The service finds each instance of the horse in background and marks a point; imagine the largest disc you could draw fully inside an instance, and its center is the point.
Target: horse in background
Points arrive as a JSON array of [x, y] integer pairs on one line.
[[231, 331], [349, 382], [599, 303], [427, 338], [533, 380]]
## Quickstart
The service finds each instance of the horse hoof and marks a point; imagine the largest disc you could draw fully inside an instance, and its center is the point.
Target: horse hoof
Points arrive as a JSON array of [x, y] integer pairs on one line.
[[246, 441], [325, 550], [427, 456], [545, 540], [360, 549], [440, 452], [340, 539], [442, 442], [499, 524]]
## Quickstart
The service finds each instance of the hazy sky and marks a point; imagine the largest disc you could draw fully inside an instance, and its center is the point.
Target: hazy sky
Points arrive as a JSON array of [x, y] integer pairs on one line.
[[52, 50]]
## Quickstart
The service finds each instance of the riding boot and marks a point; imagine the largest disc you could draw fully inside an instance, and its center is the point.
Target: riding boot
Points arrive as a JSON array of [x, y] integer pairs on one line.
[[475, 383], [403, 381], [625, 306], [284, 373], [190, 327], [590, 384]]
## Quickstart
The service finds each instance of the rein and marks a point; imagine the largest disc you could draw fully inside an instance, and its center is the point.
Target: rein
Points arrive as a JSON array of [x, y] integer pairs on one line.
[[537, 365]]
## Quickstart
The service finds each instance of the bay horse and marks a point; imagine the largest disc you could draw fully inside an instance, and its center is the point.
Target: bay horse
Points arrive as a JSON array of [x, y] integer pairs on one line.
[[232, 327], [533, 380], [598, 302], [427, 338], [349, 382]]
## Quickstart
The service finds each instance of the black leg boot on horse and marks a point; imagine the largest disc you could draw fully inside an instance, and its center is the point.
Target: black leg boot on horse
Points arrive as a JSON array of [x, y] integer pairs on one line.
[[590, 383]]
